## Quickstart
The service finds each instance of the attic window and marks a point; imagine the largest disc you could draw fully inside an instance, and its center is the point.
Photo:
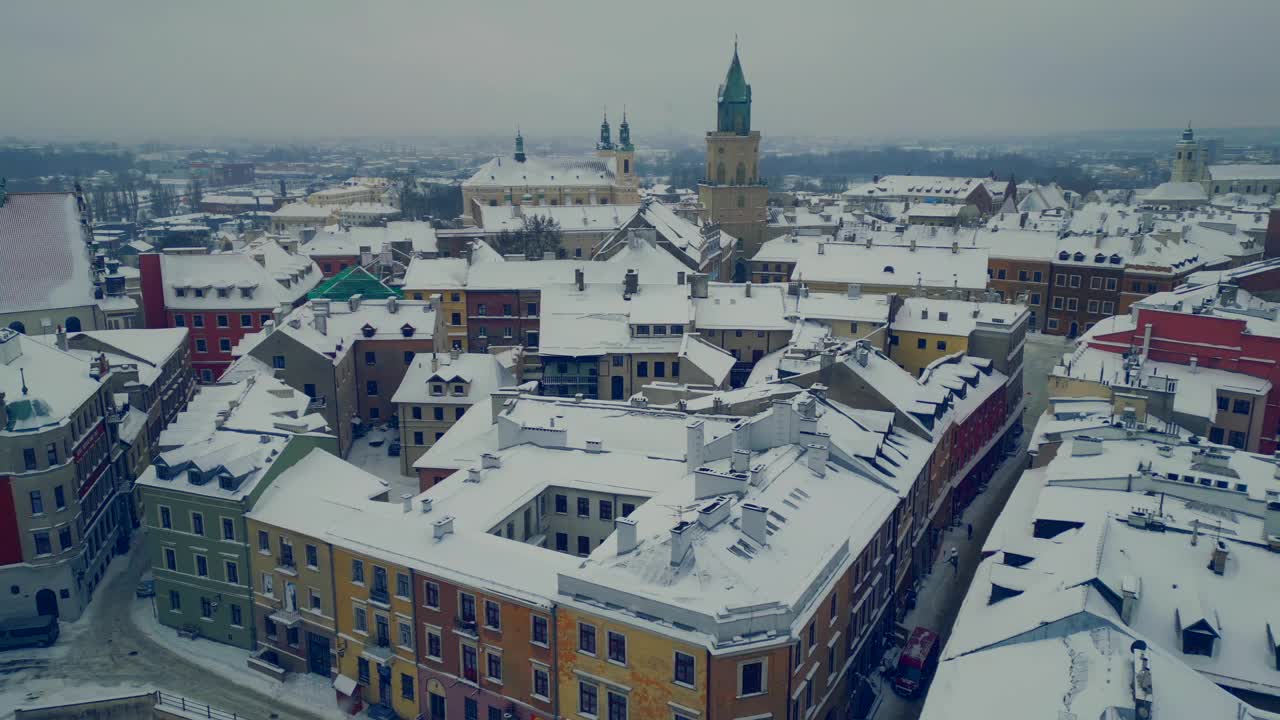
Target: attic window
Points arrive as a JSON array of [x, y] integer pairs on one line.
[[368, 330], [437, 389], [942, 316], [1079, 257], [246, 292], [224, 292], [195, 478], [228, 482], [888, 269], [1099, 258], [180, 292], [1064, 255], [1115, 259], [199, 292], [459, 389], [406, 330]]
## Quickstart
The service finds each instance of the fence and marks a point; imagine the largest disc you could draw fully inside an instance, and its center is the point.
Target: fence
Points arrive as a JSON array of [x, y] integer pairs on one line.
[[192, 707]]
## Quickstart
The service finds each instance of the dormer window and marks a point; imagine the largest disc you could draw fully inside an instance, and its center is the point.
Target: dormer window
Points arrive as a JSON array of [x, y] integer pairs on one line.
[[1078, 257], [459, 389], [406, 330], [226, 481], [888, 269], [195, 477], [1099, 258], [246, 293], [199, 292], [437, 389], [659, 329], [642, 330], [224, 292], [180, 292], [1064, 255], [368, 330], [1115, 259]]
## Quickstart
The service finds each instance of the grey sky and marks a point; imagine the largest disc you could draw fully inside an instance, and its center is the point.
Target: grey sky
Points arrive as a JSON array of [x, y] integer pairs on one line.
[[141, 68]]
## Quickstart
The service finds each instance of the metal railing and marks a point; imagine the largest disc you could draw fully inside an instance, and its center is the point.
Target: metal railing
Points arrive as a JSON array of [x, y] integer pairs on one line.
[[191, 706]]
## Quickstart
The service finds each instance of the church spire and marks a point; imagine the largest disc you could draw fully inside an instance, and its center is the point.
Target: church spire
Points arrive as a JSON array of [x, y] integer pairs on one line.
[[520, 156], [734, 100], [624, 132], [606, 137]]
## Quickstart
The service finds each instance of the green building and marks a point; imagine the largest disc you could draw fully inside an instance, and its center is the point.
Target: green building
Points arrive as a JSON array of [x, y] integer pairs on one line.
[[353, 281]]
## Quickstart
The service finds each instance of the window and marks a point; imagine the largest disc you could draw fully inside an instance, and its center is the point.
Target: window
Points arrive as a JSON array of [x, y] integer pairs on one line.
[[618, 701], [1053, 323], [357, 571], [223, 321], [941, 345], [587, 638], [1095, 283], [458, 412], [1111, 283], [1073, 304], [434, 645], [37, 504], [1094, 306], [224, 345], [642, 369], [469, 663], [402, 585], [1000, 274], [586, 698], [1224, 402], [277, 362], [493, 666], [562, 542], [437, 413], [921, 344], [206, 608], [618, 361], [179, 320], [482, 309], [467, 607], [406, 634], [197, 320], [371, 388], [232, 573], [370, 358], [1241, 407], [316, 605], [1060, 279], [406, 686], [660, 369], [29, 458], [170, 559], [246, 320], [264, 318], [175, 601], [584, 507], [1035, 298], [416, 412], [228, 529], [43, 546], [64, 539], [617, 647], [584, 545], [492, 615], [202, 345], [313, 560], [750, 678], [1108, 307], [197, 523], [362, 620], [1237, 439], [268, 584], [539, 636], [1216, 435], [1057, 302], [684, 669], [541, 683], [264, 540]]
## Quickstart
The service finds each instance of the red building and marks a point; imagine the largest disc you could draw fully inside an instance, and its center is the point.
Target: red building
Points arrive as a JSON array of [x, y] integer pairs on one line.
[[503, 317], [221, 298], [980, 411], [1212, 326]]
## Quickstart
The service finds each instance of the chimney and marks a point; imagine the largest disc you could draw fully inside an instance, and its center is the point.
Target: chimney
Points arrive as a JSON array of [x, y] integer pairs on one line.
[[747, 288], [714, 512], [442, 527], [580, 279], [698, 282], [754, 523], [631, 282], [435, 361], [1218, 562], [817, 455], [425, 504], [694, 443], [594, 446], [625, 532], [489, 461], [1143, 692], [473, 475], [321, 323], [353, 302], [913, 245], [741, 461], [822, 248], [406, 501], [1193, 363], [680, 277], [61, 338], [1131, 590], [454, 353], [391, 305], [680, 541], [757, 474]]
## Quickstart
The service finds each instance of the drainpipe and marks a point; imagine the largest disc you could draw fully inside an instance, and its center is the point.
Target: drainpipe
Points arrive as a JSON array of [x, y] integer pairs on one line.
[[555, 661]]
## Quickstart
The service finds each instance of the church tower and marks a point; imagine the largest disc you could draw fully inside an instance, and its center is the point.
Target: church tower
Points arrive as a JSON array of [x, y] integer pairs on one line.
[[731, 192], [622, 153], [1188, 163]]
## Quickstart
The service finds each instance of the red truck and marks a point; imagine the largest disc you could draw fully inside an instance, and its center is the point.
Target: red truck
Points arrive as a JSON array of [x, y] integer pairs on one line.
[[917, 663]]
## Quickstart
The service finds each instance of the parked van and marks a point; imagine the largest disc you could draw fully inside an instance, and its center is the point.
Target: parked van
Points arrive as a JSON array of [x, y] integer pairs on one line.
[[917, 663], [37, 631]]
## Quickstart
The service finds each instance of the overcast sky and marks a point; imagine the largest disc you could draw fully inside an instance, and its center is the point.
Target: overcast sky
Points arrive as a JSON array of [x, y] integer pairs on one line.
[[858, 69]]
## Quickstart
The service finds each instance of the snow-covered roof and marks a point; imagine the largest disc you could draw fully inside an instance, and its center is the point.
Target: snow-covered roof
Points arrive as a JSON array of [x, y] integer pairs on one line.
[[305, 211], [736, 306], [154, 346], [935, 210], [599, 319], [348, 241], [931, 266], [954, 317], [1176, 192], [571, 218], [788, 248], [1244, 171], [263, 275], [45, 263], [481, 373], [436, 273], [346, 322], [552, 171], [1044, 197], [316, 493], [41, 384], [957, 188], [256, 404]]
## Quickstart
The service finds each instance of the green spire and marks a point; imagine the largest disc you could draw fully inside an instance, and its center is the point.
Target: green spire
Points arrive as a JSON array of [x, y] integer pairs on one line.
[[520, 156], [624, 132], [734, 102]]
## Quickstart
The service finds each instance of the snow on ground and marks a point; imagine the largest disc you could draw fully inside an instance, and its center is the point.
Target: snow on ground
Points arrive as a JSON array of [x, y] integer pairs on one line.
[[307, 692], [376, 461]]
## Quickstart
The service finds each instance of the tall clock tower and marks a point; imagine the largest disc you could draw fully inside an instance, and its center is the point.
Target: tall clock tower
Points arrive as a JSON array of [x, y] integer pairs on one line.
[[731, 192]]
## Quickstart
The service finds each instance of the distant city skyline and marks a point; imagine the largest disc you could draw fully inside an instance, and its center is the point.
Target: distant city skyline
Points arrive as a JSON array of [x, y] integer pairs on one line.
[[157, 71]]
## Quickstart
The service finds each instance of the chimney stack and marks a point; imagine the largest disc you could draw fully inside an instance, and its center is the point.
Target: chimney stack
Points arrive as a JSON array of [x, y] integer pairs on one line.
[[817, 455], [631, 282], [625, 532], [1218, 562], [741, 461], [406, 501], [442, 527], [681, 540], [61, 337], [425, 504], [694, 443], [747, 288], [754, 523], [580, 279], [489, 461]]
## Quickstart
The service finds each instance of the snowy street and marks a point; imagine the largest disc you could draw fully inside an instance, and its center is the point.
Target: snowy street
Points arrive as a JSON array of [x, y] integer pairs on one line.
[[944, 589], [106, 648]]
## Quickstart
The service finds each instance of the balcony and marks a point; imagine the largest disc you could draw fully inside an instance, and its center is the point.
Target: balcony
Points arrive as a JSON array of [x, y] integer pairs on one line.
[[317, 404], [286, 565], [380, 596]]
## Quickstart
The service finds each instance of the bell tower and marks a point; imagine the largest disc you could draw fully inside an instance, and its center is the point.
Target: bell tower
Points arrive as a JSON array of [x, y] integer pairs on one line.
[[1188, 165], [731, 191]]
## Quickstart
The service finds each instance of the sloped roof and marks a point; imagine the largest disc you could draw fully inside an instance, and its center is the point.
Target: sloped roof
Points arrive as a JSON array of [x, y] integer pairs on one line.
[[44, 262], [352, 281]]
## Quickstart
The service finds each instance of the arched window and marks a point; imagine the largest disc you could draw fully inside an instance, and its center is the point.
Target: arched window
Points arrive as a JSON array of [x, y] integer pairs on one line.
[[18, 326], [888, 269], [626, 166], [740, 177], [73, 324], [720, 173]]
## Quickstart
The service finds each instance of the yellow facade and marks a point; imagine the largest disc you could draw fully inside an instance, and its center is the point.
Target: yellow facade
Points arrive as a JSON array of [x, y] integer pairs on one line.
[[388, 658], [915, 351], [646, 675], [453, 306]]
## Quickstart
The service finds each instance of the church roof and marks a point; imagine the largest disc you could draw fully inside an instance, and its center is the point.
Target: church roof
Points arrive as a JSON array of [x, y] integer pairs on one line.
[[735, 87]]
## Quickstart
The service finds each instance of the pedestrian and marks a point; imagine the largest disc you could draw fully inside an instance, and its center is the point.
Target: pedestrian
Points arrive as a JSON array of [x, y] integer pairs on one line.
[[953, 557], [970, 528]]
